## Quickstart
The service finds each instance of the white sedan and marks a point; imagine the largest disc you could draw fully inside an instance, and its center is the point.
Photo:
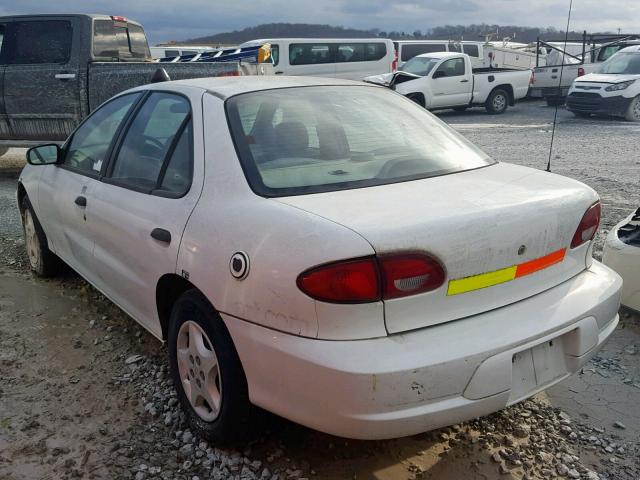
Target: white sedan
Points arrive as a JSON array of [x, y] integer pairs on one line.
[[324, 249]]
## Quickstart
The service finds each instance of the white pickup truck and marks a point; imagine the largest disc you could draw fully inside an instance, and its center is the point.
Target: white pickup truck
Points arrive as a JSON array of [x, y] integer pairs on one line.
[[613, 89], [447, 80]]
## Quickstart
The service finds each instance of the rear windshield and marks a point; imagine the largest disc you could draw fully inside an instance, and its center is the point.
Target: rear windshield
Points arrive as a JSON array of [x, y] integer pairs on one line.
[[304, 140], [622, 63]]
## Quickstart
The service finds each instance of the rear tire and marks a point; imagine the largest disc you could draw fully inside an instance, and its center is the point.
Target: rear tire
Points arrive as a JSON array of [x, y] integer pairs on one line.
[[554, 101], [43, 262], [633, 112], [497, 102], [206, 371]]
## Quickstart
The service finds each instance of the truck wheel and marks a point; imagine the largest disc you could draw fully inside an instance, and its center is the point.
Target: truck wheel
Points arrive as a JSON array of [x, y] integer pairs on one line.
[[416, 97], [43, 262], [554, 101], [497, 102], [206, 371], [633, 112], [3, 150]]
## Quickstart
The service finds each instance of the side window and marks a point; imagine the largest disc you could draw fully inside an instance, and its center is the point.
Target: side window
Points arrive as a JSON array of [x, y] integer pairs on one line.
[[150, 140], [105, 44], [309, 54], [47, 41], [275, 54], [374, 51], [90, 143], [410, 50], [452, 68], [471, 50], [3, 53], [171, 53], [455, 47], [176, 179], [138, 42], [352, 52]]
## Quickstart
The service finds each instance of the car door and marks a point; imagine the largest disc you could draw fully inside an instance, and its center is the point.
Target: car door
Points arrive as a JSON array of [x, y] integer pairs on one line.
[[453, 87], [141, 207], [41, 78], [65, 189]]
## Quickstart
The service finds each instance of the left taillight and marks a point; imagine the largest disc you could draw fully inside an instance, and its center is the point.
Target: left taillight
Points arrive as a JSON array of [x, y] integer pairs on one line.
[[372, 279], [588, 226], [581, 72], [394, 63]]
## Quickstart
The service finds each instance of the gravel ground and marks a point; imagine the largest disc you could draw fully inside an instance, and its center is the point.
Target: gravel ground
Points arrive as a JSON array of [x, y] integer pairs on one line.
[[86, 393]]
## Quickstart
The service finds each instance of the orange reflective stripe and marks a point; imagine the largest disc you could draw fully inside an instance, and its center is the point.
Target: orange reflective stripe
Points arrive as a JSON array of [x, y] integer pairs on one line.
[[540, 263]]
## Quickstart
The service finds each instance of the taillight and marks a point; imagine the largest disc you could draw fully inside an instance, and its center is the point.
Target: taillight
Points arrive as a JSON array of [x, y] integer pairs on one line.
[[532, 78], [118, 18], [354, 281], [404, 275], [394, 64], [588, 226], [372, 279], [581, 71]]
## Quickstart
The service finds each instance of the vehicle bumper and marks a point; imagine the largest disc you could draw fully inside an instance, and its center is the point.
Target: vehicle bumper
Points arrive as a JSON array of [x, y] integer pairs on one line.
[[584, 102], [409, 383]]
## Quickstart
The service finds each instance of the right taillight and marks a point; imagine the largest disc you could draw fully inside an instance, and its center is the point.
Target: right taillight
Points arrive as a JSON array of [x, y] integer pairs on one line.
[[581, 71], [372, 279], [588, 226], [394, 63]]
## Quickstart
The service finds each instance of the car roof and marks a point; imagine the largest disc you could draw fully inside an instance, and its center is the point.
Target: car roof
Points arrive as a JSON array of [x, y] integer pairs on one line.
[[440, 54], [225, 87]]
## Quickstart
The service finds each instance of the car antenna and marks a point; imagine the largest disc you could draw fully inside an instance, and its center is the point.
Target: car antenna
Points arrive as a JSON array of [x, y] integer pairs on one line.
[[555, 114]]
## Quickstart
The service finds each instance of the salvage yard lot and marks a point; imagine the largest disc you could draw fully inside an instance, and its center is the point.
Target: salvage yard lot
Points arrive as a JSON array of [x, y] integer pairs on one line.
[[85, 391]]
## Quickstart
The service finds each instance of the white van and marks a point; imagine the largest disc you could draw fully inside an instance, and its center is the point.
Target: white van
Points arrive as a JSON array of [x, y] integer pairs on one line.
[[175, 50], [407, 49], [349, 58]]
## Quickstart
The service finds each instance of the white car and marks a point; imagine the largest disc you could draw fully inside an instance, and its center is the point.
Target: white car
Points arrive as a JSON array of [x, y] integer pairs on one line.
[[324, 249], [612, 89], [622, 253]]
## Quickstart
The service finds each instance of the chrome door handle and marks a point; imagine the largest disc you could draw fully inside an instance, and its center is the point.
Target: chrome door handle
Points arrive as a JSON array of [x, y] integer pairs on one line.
[[161, 235], [65, 76]]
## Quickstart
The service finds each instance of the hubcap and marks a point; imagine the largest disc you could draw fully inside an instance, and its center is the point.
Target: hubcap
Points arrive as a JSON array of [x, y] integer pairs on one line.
[[199, 371], [31, 239], [499, 101]]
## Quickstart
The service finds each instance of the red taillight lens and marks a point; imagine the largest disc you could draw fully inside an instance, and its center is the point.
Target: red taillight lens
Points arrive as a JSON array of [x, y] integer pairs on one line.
[[532, 78], [394, 64], [588, 226], [404, 275], [581, 71], [118, 18], [355, 281], [371, 280]]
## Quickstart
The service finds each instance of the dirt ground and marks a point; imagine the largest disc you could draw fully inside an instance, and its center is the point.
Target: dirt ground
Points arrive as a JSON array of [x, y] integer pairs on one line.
[[84, 391]]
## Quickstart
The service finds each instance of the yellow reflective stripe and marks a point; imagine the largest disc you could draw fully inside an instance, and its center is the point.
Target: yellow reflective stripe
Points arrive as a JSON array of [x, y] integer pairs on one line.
[[483, 280]]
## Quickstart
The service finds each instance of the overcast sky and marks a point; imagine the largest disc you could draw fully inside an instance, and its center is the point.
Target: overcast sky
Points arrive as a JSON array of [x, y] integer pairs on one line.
[[179, 19]]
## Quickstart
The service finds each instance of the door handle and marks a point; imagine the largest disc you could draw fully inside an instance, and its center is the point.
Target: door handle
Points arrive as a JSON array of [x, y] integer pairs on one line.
[[278, 72], [161, 235], [81, 201], [464, 81], [65, 76]]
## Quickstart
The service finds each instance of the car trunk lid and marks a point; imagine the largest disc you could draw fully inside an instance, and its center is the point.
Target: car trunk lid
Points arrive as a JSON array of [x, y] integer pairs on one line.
[[482, 225]]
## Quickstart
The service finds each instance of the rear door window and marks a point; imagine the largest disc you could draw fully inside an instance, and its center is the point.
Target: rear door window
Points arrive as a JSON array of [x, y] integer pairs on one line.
[[150, 141], [105, 44], [40, 41], [452, 68], [138, 42], [310, 53]]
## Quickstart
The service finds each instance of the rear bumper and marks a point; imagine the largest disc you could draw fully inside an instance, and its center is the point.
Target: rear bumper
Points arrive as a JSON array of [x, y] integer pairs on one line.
[[409, 383], [597, 104]]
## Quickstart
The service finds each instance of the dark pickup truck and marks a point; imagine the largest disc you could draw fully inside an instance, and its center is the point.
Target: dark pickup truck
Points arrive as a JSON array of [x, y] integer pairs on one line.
[[55, 69]]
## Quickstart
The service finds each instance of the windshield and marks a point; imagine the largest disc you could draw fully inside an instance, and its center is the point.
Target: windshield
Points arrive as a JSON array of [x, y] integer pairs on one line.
[[627, 63], [294, 141], [420, 65]]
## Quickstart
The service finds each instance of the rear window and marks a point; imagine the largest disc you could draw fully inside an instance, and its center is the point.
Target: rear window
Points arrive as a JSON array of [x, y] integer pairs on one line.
[[118, 40], [410, 50], [315, 139], [40, 41], [471, 50]]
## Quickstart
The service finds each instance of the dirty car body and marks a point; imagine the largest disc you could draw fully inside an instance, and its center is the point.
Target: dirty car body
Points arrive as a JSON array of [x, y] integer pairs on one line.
[[378, 274]]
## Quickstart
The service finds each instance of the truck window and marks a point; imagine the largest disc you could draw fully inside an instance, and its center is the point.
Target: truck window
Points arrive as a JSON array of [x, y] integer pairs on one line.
[[171, 53], [275, 54], [410, 50], [40, 41], [104, 39], [138, 42], [452, 68], [455, 47], [471, 50], [2, 53]]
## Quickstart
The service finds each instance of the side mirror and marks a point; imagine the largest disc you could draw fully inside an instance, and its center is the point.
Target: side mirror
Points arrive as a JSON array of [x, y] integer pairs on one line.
[[439, 74], [44, 154]]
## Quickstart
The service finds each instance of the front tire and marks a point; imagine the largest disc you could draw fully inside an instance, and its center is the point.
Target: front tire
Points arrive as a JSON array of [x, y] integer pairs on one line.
[[633, 112], [497, 102], [43, 262], [206, 371], [417, 98]]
